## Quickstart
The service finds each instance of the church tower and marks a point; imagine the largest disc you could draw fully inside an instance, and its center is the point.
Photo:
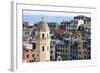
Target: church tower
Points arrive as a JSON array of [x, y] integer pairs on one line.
[[43, 41]]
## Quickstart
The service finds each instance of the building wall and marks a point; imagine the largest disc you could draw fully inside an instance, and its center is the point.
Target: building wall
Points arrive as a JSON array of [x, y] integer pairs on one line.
[[28, 55], [43, 44]]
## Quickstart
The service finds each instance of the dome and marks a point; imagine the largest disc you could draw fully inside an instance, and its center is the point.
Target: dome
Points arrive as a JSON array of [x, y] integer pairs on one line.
[[43, 26]]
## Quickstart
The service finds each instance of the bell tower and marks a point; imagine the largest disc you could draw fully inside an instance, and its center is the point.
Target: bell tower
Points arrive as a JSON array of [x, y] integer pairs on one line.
[[43, 41]]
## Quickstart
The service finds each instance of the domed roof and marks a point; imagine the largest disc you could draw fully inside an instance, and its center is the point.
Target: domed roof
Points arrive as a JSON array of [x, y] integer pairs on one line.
[[43, 26]]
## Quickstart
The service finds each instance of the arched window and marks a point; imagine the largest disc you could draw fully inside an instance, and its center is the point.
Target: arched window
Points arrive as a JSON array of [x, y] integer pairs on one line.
[[27, 55], [42, 48], [43, 36]]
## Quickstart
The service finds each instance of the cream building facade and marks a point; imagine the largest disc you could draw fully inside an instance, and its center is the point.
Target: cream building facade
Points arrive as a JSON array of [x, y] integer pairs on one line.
[[43, 41]]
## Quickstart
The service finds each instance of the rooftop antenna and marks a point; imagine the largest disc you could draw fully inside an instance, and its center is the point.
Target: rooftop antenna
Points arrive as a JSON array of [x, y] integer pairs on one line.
[[42, 18]]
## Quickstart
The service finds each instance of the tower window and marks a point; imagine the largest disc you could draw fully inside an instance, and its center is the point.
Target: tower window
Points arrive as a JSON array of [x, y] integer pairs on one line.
[[42, 48], [27, 56], [42, 35]]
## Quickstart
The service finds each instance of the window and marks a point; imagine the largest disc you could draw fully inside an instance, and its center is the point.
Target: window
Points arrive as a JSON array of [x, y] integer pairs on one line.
[[62, 46], [66, 46], [73, 52], [42, 48], [88, 48], [85, 57], [31, 50], [88, 53], [42, 35], [85, 52], [34, 45], [63, 50], [51, 46], [79, 52], [51, 57], [58, 59], [66, 51], [79, 47], [26, 32], [26, 50], [51, 52], [27, 56], [24, 46], [53, 42], [53, 25], [32, 55]]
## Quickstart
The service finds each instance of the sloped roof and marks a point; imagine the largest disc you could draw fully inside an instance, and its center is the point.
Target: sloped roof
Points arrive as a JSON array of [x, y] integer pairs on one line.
[[43, 26]]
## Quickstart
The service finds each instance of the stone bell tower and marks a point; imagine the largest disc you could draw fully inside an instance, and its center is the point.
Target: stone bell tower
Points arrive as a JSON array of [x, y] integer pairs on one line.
[[43, 41]]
